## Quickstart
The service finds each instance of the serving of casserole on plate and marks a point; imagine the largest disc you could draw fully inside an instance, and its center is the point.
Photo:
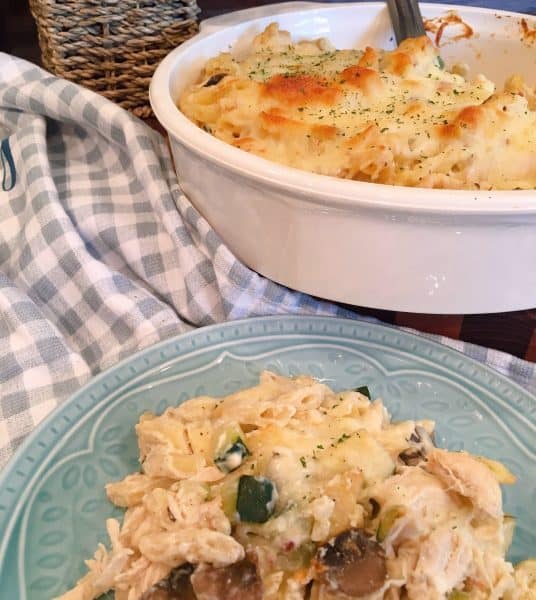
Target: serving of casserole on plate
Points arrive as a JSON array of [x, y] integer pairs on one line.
[[379, 238], [288, 490], [305, 477]]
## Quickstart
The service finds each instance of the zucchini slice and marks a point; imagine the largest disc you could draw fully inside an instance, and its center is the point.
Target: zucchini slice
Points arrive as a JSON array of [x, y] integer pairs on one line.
[[256, 498], [363, 390], [229, 448], [388, 520]]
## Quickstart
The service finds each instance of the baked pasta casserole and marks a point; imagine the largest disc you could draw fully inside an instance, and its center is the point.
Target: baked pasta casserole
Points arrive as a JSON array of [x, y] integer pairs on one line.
[[395, 117], [289, 490]]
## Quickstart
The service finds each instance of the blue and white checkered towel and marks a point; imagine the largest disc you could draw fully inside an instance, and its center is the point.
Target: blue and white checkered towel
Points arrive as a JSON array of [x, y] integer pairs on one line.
[[102, 255]]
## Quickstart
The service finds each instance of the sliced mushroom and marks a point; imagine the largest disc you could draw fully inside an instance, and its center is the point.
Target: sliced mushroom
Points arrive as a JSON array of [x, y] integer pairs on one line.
[[412, 456], [214, 80], [374, 508], [421, 442], [239, 581], [421, 436], [352, 563], [176, 586]]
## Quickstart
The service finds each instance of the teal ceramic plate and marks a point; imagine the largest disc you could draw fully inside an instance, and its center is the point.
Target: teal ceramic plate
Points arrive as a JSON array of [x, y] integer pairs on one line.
[[52, 501]]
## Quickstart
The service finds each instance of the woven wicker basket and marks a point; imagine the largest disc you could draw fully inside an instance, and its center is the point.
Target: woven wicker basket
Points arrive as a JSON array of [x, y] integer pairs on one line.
[[112, 46]]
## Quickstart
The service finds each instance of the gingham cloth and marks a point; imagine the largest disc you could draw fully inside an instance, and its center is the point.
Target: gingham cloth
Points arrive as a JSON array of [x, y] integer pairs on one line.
[[102, 255]]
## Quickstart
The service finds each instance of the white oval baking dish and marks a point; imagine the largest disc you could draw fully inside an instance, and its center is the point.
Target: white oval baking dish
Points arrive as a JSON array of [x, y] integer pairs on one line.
[[374, 245]]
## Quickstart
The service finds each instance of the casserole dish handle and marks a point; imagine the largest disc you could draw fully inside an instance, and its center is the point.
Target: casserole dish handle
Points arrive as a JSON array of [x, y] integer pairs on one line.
[[233, 18]]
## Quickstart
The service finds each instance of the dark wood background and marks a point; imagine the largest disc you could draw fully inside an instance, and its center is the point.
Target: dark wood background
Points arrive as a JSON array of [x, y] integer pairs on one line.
[[513, 332]]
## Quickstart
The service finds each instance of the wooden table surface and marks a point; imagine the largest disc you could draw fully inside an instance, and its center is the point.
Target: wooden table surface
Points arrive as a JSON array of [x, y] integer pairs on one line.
[[512, 332]]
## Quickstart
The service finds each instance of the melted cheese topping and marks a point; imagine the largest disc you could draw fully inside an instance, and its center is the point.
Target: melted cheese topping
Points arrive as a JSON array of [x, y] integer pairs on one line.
[[389, 117]]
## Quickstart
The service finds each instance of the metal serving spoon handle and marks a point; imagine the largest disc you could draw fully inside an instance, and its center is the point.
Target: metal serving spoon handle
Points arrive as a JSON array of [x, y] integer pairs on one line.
[[406, 19]]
